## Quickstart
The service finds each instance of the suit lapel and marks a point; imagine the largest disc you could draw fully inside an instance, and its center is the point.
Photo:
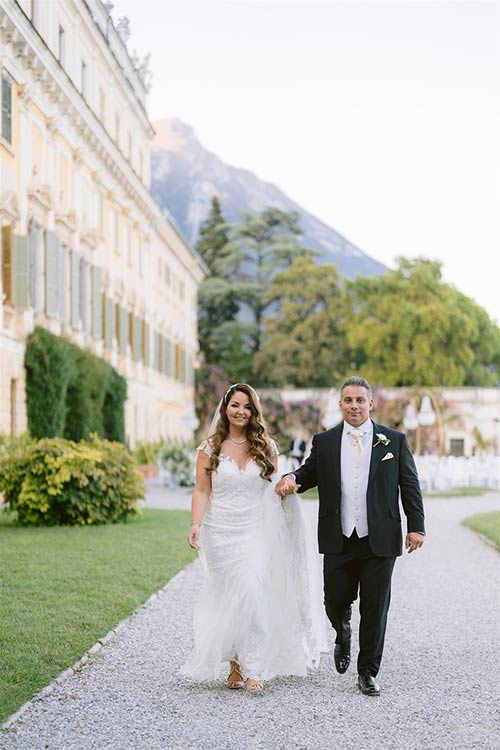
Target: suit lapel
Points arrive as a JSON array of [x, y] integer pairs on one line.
[[377, 452], [336, 435]]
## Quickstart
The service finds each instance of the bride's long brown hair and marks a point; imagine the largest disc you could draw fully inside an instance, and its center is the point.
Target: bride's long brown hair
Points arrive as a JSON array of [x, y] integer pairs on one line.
[[257, 433]]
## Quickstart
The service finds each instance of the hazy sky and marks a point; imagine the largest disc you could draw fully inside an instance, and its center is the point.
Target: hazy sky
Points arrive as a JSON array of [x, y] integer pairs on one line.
[[381, 118]]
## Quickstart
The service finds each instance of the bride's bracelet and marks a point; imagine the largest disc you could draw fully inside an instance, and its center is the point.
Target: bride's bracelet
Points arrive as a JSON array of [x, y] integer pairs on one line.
[[195, 523]]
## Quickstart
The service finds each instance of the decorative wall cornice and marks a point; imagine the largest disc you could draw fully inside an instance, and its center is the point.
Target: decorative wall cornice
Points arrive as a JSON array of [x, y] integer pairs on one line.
[[9, 208], [39, 64]]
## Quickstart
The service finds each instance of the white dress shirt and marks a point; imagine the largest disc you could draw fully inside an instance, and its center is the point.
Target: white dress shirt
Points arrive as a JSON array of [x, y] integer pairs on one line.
[[354, 471]]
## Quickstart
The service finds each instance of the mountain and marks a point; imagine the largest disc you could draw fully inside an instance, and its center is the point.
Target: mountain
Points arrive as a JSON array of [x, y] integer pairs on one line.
[[185, 176]]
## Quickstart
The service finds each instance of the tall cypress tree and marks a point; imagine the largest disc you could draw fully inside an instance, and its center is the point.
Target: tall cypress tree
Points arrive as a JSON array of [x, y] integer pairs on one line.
[[217, 302]]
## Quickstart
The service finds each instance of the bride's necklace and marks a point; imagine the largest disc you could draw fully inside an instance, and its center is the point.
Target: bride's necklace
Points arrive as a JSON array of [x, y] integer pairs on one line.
[[237, 442]]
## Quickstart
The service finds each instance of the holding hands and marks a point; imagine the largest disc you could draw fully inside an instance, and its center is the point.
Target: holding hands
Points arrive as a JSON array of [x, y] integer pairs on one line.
[[287, 485]]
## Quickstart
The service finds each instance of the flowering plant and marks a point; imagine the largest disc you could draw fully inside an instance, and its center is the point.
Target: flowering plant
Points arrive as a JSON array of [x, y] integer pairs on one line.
[[381, 439]]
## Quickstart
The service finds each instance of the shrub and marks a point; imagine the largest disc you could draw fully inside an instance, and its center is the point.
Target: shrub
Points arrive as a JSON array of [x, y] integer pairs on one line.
[[177, 460], [49, 371], [147, 453], [57, 481], [71, 393]]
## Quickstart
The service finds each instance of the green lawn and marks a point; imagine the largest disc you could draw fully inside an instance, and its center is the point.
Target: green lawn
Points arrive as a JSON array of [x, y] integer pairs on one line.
[[456, 492], [62, 588], [460, 492], [487, 524]]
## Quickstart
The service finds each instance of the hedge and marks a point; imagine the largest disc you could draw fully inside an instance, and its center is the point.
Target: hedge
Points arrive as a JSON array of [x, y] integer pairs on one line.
[[70, 392]]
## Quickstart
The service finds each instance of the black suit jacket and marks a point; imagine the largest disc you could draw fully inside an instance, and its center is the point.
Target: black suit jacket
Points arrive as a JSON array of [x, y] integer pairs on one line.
[[387, 480]]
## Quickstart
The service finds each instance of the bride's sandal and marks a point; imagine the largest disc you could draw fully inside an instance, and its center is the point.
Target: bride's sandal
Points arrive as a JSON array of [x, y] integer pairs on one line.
[[235, 678], [254, 686]]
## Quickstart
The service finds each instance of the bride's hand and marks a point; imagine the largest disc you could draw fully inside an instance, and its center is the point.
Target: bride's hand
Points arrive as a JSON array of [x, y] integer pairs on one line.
[[287, 486], [194, 536]]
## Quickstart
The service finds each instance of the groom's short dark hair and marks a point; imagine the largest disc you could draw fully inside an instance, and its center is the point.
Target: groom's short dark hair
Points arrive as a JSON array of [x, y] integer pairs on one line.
[[355, 380]]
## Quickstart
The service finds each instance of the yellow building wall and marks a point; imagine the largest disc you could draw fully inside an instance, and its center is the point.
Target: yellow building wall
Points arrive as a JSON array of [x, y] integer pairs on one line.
[[65, 179]]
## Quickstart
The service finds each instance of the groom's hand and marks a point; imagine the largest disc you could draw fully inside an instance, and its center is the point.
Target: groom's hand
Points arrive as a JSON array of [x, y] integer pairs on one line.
[[287, 485], [414, 540]]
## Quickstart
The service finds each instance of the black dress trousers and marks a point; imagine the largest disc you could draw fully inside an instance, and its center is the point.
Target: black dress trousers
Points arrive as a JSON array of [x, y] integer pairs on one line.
[[357, 568]]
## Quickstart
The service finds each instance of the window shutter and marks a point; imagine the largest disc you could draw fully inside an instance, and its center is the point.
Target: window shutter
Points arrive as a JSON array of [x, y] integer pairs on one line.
[[146, 352], [96, 296], [182, 377], [109, 323], [7, 264], [172, 370], [62, 283], [33, 266], [189, 369], [160, 352], [82, 294], [51, 273], [156, 359], [21, 269], [6, 108], [123, 331], [75, 289], [163, 355], [137, 342]]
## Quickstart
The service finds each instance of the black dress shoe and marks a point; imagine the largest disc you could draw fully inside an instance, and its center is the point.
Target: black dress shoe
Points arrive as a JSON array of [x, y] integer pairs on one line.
[[368, 685], [342, 656]]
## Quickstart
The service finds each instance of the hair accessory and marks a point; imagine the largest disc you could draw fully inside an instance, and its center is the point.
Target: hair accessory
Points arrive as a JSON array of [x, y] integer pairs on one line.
[[228, 391]]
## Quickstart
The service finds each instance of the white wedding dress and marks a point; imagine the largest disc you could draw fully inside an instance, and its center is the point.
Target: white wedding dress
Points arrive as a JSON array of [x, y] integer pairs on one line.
[[261, 600]]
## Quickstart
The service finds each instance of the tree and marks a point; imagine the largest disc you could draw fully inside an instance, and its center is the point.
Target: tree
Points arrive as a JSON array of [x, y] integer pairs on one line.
[[213, 235], [233, 301], [409, 327], [304, 343], [217, 297], [259, 247]]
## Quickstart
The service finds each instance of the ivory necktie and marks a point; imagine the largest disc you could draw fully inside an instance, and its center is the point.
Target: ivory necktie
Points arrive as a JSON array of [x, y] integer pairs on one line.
[[357, 435]]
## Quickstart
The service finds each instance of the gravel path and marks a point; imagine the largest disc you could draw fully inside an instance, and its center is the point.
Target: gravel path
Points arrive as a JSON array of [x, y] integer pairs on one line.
[[439, 677]]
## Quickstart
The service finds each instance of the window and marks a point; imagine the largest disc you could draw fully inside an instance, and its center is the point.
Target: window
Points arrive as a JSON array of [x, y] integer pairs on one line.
[[83, 81], [6, 130], [457, 446], [61, 46]]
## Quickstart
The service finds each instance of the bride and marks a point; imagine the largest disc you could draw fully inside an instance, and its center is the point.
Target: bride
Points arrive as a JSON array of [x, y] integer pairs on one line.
[[260, 607]]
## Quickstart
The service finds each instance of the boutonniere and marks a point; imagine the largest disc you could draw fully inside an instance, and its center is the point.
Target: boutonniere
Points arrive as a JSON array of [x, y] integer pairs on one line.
[[381, 439]]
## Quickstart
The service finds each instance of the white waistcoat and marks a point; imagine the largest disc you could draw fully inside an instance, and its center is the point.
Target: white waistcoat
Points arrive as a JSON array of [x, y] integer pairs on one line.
[[354, 470]]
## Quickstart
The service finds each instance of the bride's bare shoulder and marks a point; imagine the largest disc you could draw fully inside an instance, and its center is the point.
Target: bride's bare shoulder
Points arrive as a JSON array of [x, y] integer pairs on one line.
[[205, 447]]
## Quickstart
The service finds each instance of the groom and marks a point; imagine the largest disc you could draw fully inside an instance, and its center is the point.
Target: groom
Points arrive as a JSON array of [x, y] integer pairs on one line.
[[360, 468]]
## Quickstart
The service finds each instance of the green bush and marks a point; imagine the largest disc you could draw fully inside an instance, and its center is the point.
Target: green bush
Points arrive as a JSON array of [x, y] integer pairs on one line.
[[71, 393], [147, 453], [12, 441], [50, 369], [178, 460], [57, 481]]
